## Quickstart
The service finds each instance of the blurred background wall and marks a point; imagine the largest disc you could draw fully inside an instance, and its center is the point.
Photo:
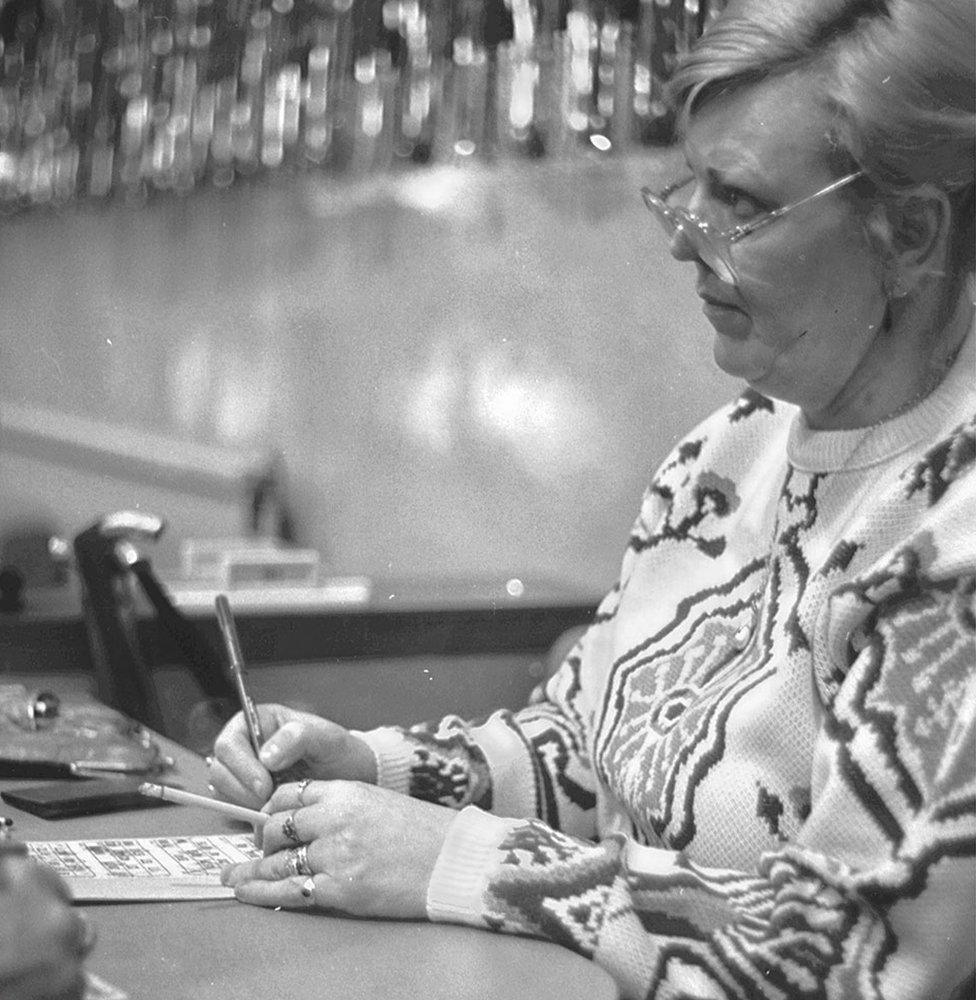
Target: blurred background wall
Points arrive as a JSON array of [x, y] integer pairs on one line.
[[466, 369]]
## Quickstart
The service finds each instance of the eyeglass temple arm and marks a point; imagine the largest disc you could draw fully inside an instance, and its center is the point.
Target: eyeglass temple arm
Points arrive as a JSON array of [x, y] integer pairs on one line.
[[775, 213]]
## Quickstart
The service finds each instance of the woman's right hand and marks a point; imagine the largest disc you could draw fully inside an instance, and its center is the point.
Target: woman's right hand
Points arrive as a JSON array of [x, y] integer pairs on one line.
[[325, 749]]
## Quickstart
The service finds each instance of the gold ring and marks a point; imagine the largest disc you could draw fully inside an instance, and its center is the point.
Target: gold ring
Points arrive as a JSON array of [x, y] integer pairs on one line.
[[289, 830], [308, 887]]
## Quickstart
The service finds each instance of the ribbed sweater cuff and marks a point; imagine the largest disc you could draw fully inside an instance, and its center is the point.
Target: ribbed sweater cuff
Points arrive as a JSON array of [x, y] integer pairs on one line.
[[394, 757], [456, 890]]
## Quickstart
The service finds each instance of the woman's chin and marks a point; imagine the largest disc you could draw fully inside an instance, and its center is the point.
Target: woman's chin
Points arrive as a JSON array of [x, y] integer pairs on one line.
[[736, 358], [759, 373]]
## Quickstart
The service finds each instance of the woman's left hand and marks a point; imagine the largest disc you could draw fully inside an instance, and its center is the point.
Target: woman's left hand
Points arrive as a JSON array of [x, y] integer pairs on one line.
[[346, 846]]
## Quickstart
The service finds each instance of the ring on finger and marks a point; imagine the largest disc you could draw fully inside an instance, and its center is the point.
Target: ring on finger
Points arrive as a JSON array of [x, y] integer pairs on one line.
[[291, 862], [308, 887], [301, 860], [297, 861], [289, 829], [302, 785]]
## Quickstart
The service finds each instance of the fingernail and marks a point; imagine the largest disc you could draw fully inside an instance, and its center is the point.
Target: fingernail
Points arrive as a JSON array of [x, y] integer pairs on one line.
[[227, 875], [269, 753]]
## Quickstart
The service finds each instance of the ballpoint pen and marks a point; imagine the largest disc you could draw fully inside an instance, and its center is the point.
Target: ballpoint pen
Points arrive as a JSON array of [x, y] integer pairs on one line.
[[235, 662]]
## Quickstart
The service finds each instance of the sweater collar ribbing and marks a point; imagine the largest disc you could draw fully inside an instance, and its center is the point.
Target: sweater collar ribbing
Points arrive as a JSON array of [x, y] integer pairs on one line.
[[811, 450]]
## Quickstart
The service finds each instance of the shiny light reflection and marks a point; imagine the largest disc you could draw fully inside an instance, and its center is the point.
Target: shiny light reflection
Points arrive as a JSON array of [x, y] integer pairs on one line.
[[538, 418], [521, 108], [431, 413], [190, 376], [241, 401], [444, 189]]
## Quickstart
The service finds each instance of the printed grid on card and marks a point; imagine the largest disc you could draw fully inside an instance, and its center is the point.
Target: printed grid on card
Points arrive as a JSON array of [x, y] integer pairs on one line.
[[146, 857]]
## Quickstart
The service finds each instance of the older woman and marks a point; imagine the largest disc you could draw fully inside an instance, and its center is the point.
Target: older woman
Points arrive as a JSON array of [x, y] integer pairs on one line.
[[754, 775]]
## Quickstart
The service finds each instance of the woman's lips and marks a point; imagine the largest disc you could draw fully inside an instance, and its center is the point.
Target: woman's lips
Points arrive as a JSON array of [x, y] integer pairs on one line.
[[709, 297], [725, 317], [716, 305]]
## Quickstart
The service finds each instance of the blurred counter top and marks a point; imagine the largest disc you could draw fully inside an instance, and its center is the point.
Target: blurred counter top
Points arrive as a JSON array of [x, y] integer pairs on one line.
[[387, 617]]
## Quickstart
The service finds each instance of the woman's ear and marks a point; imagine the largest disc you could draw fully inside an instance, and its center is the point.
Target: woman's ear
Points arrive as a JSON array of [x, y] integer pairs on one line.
[[910, 236]]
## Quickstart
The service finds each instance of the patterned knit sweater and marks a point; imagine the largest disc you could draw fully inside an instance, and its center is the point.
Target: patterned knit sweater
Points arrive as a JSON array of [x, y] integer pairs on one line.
[[755, 774]]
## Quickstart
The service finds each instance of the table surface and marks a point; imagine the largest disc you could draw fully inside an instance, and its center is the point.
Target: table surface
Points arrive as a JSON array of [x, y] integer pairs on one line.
[[219, 949]]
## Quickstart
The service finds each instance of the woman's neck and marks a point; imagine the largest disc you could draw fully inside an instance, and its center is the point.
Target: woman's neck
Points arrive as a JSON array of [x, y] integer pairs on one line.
[[944, 325], [909, 360]]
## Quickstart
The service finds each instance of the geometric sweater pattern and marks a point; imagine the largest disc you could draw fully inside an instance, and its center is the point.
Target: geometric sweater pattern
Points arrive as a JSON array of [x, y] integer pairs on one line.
[[754, 776]]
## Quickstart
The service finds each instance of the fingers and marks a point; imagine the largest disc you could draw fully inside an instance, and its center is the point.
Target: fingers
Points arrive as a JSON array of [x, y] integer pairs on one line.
[[227, 784], [303, 811], [285, 747], [235, 773], [294, 827], [296, 862], [294, 893], [283, 879], [296, 794]]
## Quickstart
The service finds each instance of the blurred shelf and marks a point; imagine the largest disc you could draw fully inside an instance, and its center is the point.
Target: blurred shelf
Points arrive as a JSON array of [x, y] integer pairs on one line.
[[403, 617]]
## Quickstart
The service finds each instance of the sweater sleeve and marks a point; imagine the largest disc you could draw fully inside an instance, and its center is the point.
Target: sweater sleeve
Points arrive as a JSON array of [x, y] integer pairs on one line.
[[533, 762], [874, 898]]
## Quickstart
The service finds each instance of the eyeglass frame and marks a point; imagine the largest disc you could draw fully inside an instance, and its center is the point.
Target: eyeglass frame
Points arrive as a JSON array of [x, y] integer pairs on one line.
[[674, 219]]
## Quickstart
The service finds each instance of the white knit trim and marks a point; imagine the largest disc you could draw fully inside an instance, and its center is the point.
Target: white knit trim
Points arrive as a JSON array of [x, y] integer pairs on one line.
[[456, 890], [647, 860], [512, 774], [394, 756]]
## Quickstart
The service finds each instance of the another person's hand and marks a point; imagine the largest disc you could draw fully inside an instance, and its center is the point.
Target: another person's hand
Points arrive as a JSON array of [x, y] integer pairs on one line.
[[43, 939], [325, 749], [345, 846]]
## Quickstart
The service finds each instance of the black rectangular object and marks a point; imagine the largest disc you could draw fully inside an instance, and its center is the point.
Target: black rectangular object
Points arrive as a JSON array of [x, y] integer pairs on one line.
[[61, 799], [14, 767]]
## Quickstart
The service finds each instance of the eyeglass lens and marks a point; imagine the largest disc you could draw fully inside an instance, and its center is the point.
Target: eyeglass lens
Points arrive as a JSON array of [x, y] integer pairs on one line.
[[674, 217], [705, 247]]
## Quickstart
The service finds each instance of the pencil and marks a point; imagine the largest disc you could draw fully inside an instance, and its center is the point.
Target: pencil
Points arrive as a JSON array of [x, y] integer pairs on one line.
[[251, 816]]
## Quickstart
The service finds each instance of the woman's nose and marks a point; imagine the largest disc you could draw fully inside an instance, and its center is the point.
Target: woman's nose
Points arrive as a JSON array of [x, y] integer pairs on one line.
[[680, 247]]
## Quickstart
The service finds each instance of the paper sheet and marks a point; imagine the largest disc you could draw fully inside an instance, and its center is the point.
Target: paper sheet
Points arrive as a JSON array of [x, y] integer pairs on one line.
[[147, 868]]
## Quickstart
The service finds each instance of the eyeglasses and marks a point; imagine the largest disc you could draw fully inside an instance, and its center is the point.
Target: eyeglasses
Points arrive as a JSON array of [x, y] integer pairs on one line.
[[714, 245]]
